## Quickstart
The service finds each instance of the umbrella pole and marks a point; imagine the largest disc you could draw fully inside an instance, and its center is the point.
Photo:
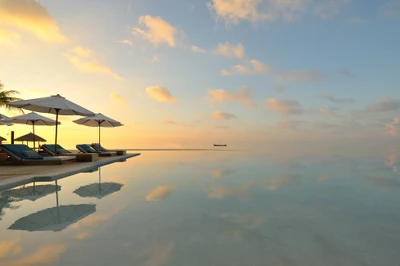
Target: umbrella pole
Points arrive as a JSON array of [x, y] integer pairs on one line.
[[55, 144], [58, 211], [99, 136], [34, 138]]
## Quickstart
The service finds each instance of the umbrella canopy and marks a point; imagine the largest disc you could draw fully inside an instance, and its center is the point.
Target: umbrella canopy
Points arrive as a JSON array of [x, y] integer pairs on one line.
[[32, 192], [3, 120], [98, 120], [33, 119], [98, 190], [54, 219], [2, 139], [30, 137], [54, 104]]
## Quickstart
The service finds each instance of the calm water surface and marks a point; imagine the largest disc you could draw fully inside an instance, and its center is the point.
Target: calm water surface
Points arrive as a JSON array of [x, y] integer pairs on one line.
[[210, 208]]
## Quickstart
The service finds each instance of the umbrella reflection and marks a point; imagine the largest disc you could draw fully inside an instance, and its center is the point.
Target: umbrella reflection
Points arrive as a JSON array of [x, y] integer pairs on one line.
[[32, 192], [54, 219], [98, 190]]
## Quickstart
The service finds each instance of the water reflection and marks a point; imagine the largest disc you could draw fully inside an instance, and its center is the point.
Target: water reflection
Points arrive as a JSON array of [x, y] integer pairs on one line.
[[220, 209], [6, 203], [33, 192], [98, 190], [53, 219]]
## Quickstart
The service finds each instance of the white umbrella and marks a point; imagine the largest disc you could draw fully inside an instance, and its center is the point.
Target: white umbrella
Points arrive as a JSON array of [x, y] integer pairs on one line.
[[98, 120], [54, 219], [3, 120], [33, 119], [98, 190], [31, 192], [54, 104]]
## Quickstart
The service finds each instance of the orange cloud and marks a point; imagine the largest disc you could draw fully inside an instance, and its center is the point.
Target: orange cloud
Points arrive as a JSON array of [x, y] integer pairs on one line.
[[161, 94], [118, 98], [234, 11], [158, 31], [324, 111], [160, 193], [127, 42], [393, 128], [30, 16], [251, 67], [46, 255], [197, 49], [218, 173], [8, 37], [242, 95], [220, 192], [159, 254], [284, 106], [219, 115], [83, 59], [9, 248], [282, 181], [229, 50]]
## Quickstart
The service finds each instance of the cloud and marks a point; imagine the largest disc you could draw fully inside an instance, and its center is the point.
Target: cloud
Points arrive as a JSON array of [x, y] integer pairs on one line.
[[219, 115], [46, 255], [282, 181], [218, 173], [242, 95], [161, 94], [229, 50], [287, 124], [325, 126], [240, 192], [83, 59], [8, 37], [391, 9], [155, 59], [118, 98], [393, 128], [330, 8], [127, 42], [234, 11], [30, 16], [385, 105], [157, 31], [82, 52], [9, 248], [329, 97], [160, 193], [284, 106], [159, 254], [251, 67], [300, 75], [324, 111], [197, 49]]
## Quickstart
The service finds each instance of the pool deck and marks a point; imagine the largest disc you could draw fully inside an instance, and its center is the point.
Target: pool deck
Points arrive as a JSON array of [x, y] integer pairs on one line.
[[15, 175]]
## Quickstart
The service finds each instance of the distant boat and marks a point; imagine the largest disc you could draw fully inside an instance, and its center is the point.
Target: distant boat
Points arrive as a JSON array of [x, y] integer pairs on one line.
[[219, 145]]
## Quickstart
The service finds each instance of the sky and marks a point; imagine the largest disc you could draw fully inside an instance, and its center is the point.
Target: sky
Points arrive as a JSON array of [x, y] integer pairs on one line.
[[190, 73]]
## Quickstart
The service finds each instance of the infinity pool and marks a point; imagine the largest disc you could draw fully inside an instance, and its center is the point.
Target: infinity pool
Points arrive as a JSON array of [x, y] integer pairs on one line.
[[209, 208]]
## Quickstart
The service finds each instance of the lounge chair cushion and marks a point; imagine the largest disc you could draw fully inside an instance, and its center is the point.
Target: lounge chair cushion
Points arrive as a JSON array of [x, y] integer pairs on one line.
[[87, 148], [98, 147], [31, 155]]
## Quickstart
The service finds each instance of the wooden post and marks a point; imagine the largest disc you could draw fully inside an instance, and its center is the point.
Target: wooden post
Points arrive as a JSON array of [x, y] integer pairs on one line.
[[12, 137]]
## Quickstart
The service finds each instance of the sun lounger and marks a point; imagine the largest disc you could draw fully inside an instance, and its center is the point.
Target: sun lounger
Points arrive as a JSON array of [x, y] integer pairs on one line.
[[100, 148], [50, 149], [85, 148], [22, 154]]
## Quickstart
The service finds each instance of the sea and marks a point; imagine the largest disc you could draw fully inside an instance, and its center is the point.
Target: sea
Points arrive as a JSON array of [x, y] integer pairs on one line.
[[211, 207]]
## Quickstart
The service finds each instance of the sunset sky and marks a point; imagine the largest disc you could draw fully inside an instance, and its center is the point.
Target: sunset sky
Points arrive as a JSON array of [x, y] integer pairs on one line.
[[188, 73]]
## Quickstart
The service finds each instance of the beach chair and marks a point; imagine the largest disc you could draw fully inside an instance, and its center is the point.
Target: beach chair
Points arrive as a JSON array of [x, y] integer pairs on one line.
[[85, 148], [22, 154], [100, 148], [50, 149]]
